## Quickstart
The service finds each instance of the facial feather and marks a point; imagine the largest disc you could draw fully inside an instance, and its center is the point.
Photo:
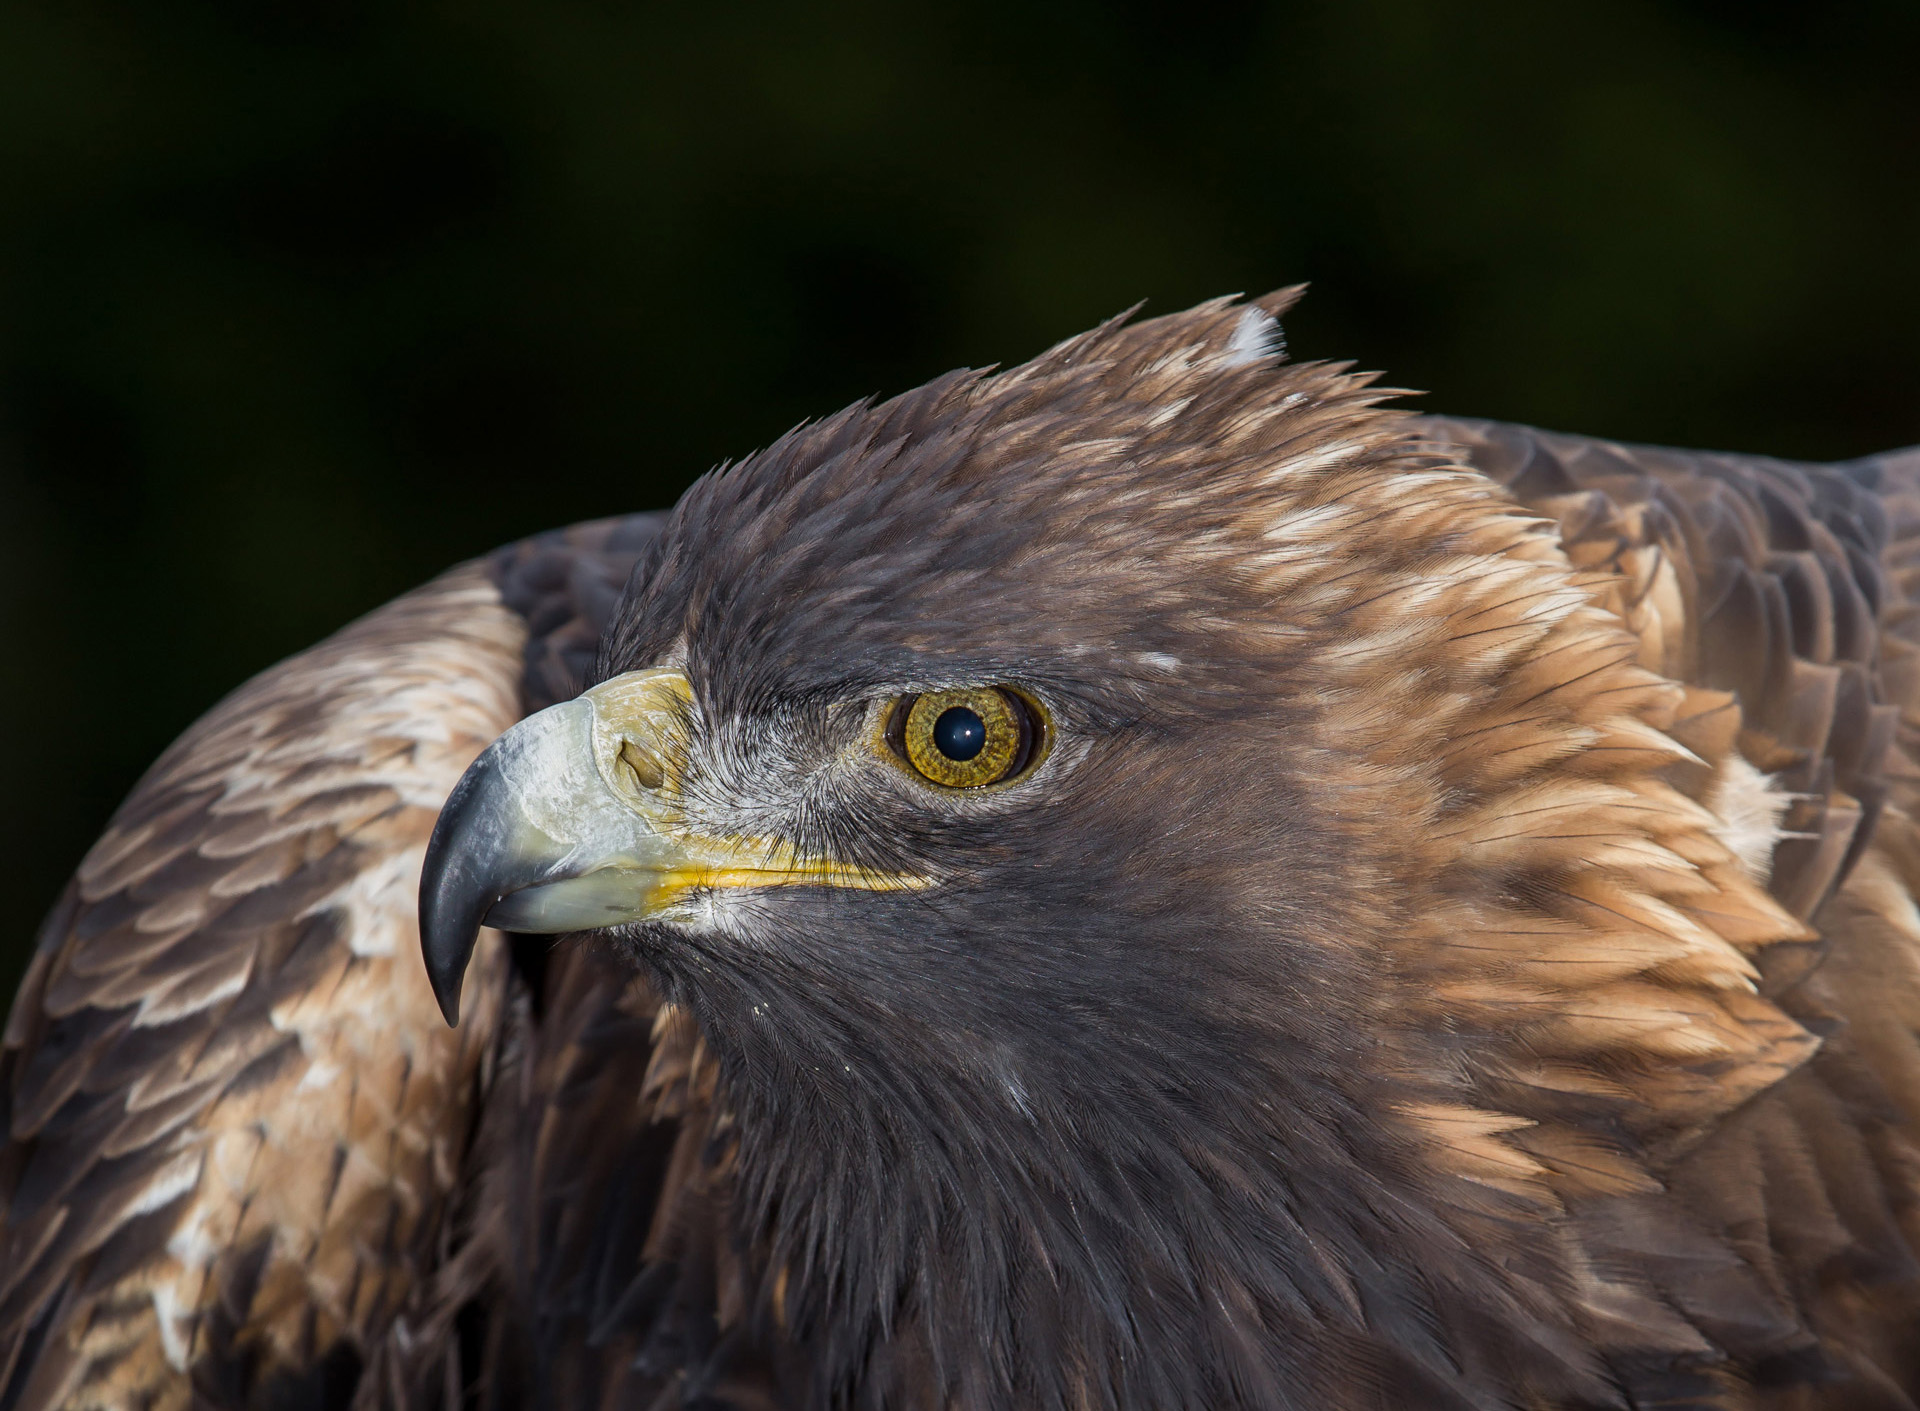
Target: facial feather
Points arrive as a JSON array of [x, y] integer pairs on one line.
[[1325, 898]]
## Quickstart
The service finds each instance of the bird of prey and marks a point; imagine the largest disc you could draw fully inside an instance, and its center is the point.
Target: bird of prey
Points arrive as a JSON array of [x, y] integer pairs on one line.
[[1150, 879]]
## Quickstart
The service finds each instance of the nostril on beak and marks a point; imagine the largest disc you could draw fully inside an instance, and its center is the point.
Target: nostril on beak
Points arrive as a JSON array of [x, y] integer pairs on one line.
[[646, 770]]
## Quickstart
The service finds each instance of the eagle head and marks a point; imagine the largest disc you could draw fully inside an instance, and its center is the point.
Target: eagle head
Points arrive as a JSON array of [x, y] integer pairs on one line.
[[1102, 817]]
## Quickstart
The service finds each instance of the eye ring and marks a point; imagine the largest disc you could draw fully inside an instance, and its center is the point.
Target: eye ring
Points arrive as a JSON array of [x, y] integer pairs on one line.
[[966, 738]]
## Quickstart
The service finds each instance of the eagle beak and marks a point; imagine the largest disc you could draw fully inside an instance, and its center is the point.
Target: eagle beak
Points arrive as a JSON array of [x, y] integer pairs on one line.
[[573, 820]]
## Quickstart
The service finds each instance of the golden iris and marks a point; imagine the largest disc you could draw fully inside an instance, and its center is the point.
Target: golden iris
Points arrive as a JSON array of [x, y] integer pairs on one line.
[[964, 738]]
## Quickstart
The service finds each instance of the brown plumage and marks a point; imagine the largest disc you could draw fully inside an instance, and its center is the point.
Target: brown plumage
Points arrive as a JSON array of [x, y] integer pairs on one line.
[[1456, 945]]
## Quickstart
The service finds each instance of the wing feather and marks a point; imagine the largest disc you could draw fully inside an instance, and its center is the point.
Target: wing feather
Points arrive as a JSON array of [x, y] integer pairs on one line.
[[1800, 1211], [234, 1123], [231, 1113]]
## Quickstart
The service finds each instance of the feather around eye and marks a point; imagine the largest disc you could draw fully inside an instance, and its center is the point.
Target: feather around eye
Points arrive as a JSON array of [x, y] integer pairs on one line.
[[965, 738]]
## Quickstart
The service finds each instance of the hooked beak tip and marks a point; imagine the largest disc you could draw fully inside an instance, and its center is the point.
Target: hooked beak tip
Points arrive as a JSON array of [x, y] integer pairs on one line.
[[447, 994], [455, 888], [448, 931]]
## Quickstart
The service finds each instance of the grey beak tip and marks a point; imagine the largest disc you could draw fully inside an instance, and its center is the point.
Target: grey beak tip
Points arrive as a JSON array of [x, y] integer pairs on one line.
[[453, 899], [447, 978], [446, 945]]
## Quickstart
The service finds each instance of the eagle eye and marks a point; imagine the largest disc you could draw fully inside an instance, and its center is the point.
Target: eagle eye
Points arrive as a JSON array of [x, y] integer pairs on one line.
[[966, 738]]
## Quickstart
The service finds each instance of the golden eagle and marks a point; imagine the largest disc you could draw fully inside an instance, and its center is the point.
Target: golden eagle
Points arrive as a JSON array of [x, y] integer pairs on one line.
[[1145, 880]]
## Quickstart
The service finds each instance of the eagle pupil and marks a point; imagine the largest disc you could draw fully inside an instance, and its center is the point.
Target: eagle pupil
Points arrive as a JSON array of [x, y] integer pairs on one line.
[[959, 734]]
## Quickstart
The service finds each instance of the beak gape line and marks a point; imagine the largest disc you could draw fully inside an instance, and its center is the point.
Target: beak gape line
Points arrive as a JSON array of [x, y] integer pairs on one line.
[[571, 821]]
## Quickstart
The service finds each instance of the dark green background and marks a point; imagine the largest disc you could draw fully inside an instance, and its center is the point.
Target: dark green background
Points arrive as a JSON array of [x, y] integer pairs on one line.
[[301, 300]]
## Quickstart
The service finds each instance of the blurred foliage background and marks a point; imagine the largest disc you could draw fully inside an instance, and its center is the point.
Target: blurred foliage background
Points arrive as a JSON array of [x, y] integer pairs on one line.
[[303, 300]]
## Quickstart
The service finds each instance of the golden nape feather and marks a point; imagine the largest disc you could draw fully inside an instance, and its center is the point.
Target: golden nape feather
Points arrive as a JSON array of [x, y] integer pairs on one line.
[[1436, 928]]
